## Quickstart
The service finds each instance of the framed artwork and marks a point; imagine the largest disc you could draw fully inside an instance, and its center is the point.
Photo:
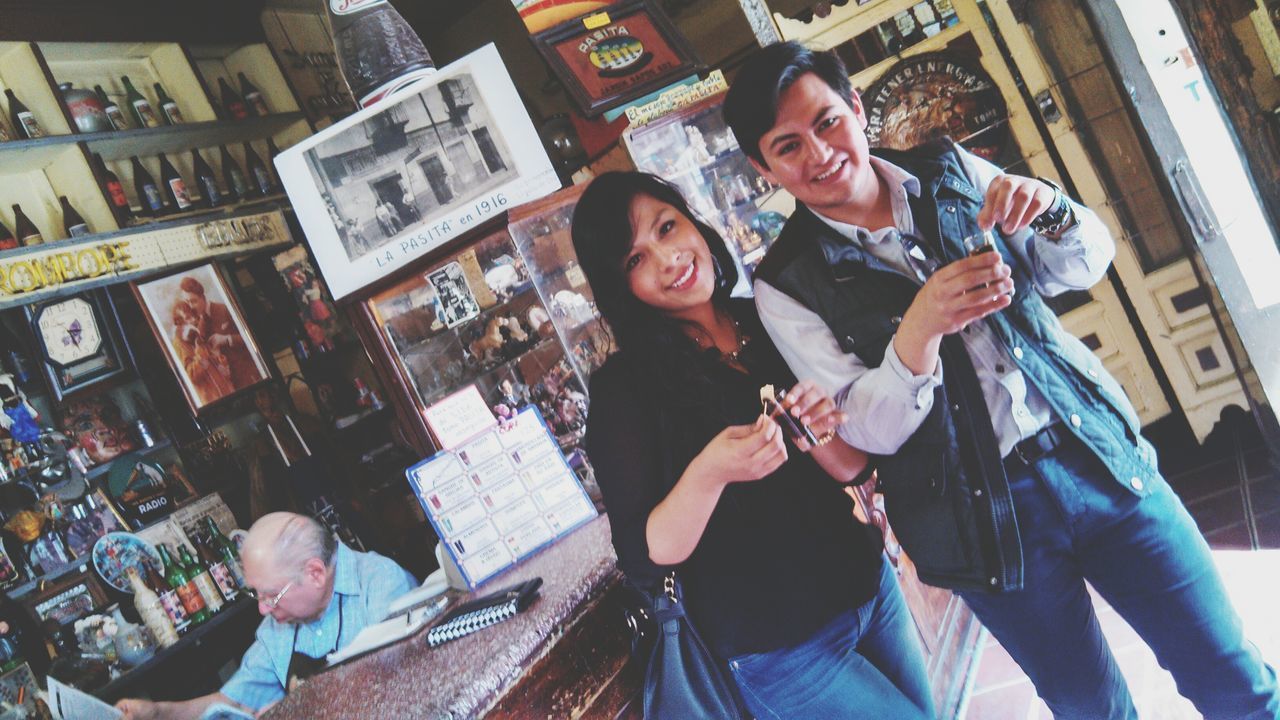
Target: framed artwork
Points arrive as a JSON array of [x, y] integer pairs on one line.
[[79, 338], [394, 181], [927, 96], [637, 51], [66, 599], [98, 425], [202, 331]]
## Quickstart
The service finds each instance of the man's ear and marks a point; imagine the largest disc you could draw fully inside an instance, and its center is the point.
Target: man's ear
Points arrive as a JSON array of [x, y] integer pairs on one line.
[[859, 110], [763, 170]]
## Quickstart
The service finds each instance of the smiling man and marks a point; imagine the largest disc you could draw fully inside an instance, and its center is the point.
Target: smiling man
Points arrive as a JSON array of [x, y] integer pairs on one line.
[[1011, 461], [315, 595]]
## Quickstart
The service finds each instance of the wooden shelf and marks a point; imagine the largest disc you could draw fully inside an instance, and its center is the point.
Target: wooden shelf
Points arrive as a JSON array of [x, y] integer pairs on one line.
[[181, 138], [28, 155]]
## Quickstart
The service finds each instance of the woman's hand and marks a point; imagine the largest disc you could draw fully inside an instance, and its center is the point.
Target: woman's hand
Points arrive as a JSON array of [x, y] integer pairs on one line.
[[742, 453], [810, 405]]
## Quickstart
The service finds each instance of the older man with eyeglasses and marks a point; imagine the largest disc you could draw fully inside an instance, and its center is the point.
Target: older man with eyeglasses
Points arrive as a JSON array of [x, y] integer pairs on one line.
[[315, 595]]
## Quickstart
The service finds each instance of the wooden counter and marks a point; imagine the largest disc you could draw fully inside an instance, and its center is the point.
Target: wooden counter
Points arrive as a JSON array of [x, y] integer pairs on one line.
[[564, 657]]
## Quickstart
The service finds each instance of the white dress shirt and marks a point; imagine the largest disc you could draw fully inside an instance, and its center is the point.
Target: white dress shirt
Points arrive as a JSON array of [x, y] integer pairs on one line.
[[887, 404]]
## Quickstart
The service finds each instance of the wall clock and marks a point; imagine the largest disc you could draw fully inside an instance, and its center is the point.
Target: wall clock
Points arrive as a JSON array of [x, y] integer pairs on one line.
[[79, 339]]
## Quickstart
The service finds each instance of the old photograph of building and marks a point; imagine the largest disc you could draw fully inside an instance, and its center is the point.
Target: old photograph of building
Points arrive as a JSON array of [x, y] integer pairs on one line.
[[422, 157]]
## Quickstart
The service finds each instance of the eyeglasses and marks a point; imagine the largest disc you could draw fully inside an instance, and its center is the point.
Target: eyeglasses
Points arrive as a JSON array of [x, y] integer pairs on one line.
[[270, 602]]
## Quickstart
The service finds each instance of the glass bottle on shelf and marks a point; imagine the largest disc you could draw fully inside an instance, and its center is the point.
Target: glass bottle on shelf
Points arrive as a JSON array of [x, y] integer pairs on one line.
[[74, 224], [199, 574], [174, 186], [231, 101], [149, 609], [261, 176], [114, 114], [188, 593], [233, 176], [24, 123], [147, 190], [143, 113], [27, 232], [169, 600], [226, 549], [206, 180], [7, 240], [253, 97], [115, 192], [168, 108], [218, 570]]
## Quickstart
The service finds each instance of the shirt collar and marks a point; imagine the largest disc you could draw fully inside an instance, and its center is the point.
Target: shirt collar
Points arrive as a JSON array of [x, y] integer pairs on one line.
[[901, 183], [345, 578]]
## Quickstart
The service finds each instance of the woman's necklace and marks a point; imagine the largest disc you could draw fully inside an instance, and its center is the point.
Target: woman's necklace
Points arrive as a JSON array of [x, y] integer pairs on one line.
[[707, 342]]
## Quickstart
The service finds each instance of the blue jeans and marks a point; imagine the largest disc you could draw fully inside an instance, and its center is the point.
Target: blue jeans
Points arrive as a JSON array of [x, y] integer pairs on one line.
[[1146, 557], [866, 663]]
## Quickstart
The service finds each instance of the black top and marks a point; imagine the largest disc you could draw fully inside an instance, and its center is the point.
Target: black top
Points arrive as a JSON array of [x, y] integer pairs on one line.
[[781, 556]]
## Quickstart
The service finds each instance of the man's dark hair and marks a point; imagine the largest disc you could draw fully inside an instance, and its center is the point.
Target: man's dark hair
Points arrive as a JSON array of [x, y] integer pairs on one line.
[[751, 107]]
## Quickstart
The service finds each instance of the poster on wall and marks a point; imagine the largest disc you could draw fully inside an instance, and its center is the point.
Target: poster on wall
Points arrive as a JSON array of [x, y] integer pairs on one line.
[[401, 177], [928, 96], [203, 334], [632, 50]]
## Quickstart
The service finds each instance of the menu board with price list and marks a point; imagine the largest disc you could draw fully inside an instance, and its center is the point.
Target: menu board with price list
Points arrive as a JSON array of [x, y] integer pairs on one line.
[[501, 496]]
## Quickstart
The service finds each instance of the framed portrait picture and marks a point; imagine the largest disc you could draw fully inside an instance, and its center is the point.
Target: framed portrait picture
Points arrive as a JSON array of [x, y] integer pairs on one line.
[[203, 334], [403, 176], [79, 339], [66, 599], [637, 51]]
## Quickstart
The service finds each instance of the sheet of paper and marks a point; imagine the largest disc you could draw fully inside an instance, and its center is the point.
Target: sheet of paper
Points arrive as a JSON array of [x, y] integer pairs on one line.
[[68, 703], [387, 632]]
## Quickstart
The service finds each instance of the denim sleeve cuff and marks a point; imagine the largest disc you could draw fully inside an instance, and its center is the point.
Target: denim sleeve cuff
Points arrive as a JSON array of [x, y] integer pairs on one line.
[[920, 386]]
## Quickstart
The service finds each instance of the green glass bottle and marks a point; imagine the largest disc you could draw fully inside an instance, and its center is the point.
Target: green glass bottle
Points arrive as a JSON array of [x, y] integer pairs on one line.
[[143, 113], [226, 549], [187, 591]]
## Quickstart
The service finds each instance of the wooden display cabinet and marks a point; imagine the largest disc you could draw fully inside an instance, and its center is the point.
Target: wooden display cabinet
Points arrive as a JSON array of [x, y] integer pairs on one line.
[[505, 308]]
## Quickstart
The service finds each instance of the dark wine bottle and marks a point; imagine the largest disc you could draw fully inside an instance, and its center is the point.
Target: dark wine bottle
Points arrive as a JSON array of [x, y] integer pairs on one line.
[[143, 113], [233, 176], [206, 180], [114, 114], [168, 108], [24, 123], [377, 51], [253, 97], [174, 186], [232, 102], [7, 240], [115, 192], [261, 177], [148, 191], [72, 222], [27, 232]]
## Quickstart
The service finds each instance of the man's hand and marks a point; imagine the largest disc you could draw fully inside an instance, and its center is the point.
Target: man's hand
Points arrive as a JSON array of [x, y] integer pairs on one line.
[[1013, 202], [959, 293], [135, 709]]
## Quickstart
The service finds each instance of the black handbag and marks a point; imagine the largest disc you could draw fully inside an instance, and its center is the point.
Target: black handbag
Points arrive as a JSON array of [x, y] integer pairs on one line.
[[683, 680]]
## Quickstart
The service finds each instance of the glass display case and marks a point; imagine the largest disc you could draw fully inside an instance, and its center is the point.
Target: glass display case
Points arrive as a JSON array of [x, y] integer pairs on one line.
[[511, 313], [694, 149]]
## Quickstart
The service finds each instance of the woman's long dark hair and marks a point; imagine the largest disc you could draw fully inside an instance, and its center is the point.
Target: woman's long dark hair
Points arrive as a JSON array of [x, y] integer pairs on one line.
[[602, 237]]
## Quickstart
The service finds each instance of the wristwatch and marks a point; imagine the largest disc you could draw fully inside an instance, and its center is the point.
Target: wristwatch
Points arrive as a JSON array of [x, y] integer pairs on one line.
[[1058, 216]]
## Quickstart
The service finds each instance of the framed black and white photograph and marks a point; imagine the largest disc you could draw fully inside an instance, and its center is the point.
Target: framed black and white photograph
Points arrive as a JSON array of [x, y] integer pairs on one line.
[[79, 340], [457, 303], [401, 177]]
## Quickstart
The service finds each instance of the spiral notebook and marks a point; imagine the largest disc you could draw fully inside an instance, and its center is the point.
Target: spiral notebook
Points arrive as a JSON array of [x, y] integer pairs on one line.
[[483, 612]]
